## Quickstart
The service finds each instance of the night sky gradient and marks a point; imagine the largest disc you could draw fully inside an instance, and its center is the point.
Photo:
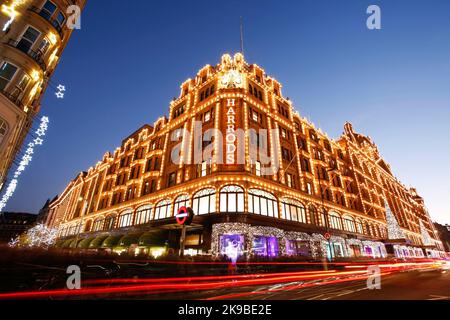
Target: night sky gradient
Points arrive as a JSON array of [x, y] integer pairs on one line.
[[127, 62]]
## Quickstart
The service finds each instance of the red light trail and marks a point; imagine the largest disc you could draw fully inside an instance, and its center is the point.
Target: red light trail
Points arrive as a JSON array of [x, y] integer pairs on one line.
[[202, 283]]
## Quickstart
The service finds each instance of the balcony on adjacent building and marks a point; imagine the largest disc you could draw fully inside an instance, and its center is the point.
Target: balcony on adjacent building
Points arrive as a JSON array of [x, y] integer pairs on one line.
[[36, 56], [45, 15], [14, 99]]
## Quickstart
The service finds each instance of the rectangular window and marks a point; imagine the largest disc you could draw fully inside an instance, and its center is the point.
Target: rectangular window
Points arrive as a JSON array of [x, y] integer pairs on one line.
[[7, 72], [255, 116], [43, 46], [207, 116], [28, 39], [48, 10], [204, 168], [289, 180], [59, 22], [146, 188], [286, 154], [172, 179], [24, 82], [309, 188], [258, 168]]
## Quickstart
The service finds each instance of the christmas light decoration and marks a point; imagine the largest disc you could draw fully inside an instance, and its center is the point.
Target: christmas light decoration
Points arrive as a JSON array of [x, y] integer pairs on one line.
[[61, 91], [39, 236], [316, 242], [10, 11], [394, 230], [25, 161], [425, 235]]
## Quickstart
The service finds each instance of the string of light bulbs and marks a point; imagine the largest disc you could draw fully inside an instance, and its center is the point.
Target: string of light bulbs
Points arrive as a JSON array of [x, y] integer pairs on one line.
[[25, 161]]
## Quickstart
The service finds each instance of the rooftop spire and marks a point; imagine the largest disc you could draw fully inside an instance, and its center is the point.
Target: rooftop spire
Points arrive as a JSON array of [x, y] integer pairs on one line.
[[242, 35]]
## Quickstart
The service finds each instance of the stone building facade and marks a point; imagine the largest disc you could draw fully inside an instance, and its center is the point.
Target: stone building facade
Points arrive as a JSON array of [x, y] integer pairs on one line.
[[260, 178]]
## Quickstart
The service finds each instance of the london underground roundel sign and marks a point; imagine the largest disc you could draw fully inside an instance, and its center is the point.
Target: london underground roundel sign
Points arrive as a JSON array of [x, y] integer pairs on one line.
[[184, 216]]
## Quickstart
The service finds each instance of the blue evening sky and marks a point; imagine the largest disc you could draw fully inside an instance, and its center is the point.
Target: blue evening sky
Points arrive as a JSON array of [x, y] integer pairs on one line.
[[127, 62]]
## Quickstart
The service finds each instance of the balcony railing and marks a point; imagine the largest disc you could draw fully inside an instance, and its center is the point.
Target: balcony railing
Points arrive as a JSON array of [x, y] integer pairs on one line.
[[36, 56], [45, 16]]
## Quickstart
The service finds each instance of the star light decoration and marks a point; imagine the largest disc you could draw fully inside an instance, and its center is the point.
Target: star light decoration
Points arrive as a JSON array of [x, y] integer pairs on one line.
[[61, 89], [25, 161]]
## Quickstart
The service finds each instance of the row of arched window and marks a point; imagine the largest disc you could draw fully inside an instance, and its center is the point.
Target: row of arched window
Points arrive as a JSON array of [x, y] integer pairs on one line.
[[232, 200]]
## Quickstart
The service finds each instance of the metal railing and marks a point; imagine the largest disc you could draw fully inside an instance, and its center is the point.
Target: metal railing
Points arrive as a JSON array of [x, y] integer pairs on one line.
[[36, 56], [47, 17]]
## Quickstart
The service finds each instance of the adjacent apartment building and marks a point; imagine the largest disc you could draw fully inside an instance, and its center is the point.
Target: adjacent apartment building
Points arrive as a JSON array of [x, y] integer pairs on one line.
[[33, 36]]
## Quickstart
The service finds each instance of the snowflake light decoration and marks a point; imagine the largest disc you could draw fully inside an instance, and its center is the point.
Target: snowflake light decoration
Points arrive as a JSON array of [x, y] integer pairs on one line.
[[39, 236]]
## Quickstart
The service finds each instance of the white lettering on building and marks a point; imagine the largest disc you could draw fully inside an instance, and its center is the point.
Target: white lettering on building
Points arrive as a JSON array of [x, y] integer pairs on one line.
[[231, 132]]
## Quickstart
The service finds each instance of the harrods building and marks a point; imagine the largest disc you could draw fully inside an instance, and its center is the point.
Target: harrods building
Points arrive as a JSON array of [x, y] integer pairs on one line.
[[309, 195]]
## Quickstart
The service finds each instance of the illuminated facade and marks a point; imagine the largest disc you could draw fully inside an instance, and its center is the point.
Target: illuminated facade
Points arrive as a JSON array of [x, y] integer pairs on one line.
[[301, 191], [33, 35]]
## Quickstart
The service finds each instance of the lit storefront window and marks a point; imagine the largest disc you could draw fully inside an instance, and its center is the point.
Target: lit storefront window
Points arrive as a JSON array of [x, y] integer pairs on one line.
[[338, 251], [265, 246], [126, 219], [204, 202], [98, 225], [335, 221], [143, 215], [349, 224], [232, 246], [298, 248], [110, 222], [162, 210], [262, 203], [232, 199], [293, 210], [359, 226], [181, 201], [316, 218]]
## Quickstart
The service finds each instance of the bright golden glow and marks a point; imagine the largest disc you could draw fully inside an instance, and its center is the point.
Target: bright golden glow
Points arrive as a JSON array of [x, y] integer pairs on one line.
[[10, 11], [52, 38], [52, 56], [35, 75]]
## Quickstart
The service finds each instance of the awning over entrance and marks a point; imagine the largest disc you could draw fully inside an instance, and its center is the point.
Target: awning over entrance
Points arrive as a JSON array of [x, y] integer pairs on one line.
[[155, 238], [129, 240], [85, 243], [111, 241], [97, 242]]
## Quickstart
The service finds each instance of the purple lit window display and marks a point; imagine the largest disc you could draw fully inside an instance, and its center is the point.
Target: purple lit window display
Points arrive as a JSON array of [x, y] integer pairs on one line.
[[232, 246], [298, 248], [265, 246], [291, 249]]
